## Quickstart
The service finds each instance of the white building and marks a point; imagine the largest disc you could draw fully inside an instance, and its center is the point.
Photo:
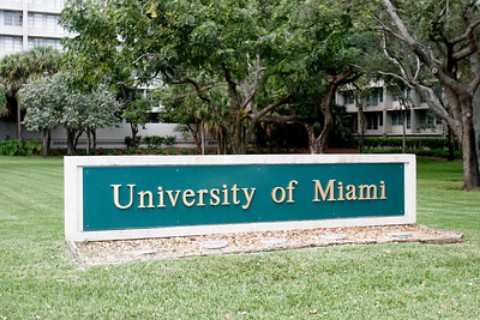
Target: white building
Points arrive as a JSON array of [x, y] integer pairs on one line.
[[385, 115], [25, 24]]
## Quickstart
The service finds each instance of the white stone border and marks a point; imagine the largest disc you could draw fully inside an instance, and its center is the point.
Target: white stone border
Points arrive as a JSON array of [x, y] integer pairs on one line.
[[73, 167]]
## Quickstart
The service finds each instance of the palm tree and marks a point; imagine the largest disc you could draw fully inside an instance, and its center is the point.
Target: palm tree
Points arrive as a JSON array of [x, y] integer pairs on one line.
[[3, 99], [18, 68]]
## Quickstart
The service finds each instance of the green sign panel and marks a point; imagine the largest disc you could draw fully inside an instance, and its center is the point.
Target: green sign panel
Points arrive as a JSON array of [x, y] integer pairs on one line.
[[138, 197]]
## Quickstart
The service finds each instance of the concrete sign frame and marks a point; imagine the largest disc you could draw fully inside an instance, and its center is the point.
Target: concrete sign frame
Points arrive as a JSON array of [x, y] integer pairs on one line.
[[394, 174]]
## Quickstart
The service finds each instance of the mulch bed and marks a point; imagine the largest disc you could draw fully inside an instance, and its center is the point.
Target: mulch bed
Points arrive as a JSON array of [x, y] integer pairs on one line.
[[121, 251]]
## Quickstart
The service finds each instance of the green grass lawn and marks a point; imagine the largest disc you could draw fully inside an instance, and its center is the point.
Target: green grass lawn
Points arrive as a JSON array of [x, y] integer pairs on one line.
[[40, 280]]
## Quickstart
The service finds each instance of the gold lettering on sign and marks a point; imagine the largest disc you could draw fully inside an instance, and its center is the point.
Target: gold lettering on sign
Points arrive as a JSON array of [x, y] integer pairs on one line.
[[338, 191], [116, 196], [142, 195], [319, 191], [162, 198]]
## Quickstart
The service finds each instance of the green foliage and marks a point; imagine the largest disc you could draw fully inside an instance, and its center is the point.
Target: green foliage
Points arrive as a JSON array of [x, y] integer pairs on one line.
[[153, 142], [32, 147], [412, 143], [428, 147], [137, 109], [220, 52], [50, 102], [3, 97], [44, 101], [132, 143], [10, 147], [18, 68]]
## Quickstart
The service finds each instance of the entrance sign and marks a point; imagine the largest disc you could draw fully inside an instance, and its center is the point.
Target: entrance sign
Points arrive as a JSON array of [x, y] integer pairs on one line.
[[133, 197]]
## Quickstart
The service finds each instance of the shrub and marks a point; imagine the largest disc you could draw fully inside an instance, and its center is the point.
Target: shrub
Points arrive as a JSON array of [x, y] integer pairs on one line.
[[153, 142], [169, 140], [412, 143], [133, 143], [33, 147], [10, 147]]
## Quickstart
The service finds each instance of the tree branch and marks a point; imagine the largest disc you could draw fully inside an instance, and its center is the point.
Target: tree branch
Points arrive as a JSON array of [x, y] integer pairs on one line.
[[251, 93], [470, 38], [273, 105]]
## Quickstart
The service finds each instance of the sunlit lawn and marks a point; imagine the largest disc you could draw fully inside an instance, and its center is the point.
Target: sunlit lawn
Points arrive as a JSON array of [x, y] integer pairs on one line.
[[40, 280]]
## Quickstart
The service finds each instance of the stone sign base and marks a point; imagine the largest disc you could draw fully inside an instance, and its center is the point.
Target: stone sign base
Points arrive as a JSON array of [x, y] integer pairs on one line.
[[122, 251]]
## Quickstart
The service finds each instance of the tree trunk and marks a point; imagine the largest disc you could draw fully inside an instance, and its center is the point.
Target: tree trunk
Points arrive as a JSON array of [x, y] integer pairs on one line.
[[312, 141], [71, 133], [362, 123], [476, 123], [94, 141], [89, 143], [196, 130], [320, 143], [404, 129], [451, 145], [469, 152], [75, 140], [134, 129], [19, 122], [46, 142]]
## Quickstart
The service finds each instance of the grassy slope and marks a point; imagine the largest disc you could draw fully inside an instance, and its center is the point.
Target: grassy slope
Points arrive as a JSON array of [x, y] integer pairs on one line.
[[39, 280]]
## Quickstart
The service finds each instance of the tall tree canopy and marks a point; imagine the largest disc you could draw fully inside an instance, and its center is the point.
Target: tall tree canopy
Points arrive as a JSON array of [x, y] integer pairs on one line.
[[199, 45], [434, 45], [331, 53]]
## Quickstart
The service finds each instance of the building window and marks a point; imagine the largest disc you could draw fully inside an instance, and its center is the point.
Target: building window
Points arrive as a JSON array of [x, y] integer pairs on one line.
[[52, 22], [11, 18], [36, 2], [376, 97], [153, 117], [427, 120], [397, 119], [405, 97], [348, 98], [422, 99], [12, 44], [409, 96], [35, 21], [35, 42], [60, 4], [374, 121]]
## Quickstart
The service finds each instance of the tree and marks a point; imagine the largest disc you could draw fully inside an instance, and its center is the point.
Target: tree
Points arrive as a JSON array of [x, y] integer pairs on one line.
[[18, 68], [50, 102], [204, 45], [102, 111], [136, 112], [85, 112], [185, 108], [44, 102], [439, 48], [331, 59]]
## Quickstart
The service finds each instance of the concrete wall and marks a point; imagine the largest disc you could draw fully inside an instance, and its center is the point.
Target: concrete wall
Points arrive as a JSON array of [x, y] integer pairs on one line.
[[106, 138]]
